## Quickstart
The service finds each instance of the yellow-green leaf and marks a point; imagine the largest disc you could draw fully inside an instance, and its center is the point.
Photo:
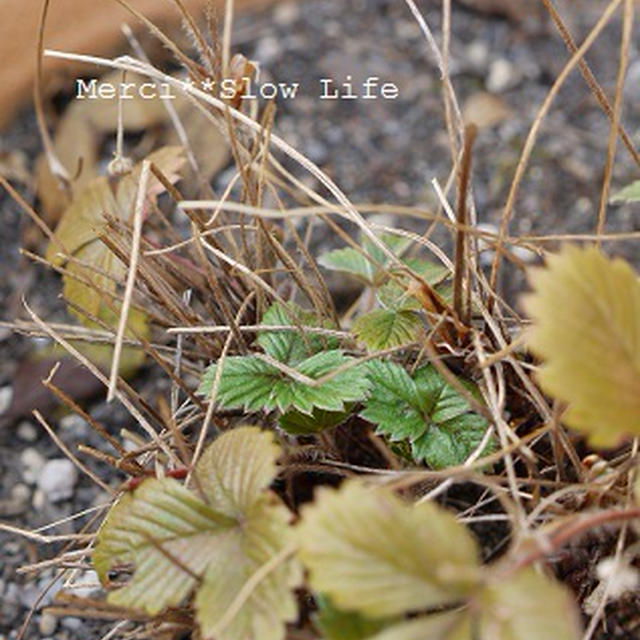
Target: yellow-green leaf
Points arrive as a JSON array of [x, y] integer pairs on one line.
[[263, 537], [631, 193], [237, 468], [586, 327], [527, 606], [168, 534], [84, 219], [235, 548], [452, 625], [95, 272], [372, 553], [386, 328]]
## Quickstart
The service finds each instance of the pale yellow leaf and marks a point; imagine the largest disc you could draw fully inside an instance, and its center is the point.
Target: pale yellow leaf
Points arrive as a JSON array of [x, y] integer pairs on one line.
[[238, 468], [264, 536], [586, 328], [235, 549], [527, 606], [95, 272], [372, 553], [452, 625], [168, 534], [83, 220]]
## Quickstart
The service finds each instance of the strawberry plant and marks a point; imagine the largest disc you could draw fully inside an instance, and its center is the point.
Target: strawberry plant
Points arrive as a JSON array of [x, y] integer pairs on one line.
[[412, 454]]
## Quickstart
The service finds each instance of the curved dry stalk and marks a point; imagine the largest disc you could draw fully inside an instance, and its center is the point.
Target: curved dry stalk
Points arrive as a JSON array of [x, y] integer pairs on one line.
[[535, 127], [625, 43], [590, 79], [131, 277], [55, 165]]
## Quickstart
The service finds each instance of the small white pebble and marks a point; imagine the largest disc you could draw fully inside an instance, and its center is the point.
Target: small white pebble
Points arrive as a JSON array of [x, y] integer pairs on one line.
[[407, 29], [73, 422], [32, 464], [522, 253], [503, 75], [20, 492], [27, 432], [73, 624], [286, 13], [39, 500], [477, 54], [6, 394], [48, 624], [57, 479], [268, 49], [86, 584]]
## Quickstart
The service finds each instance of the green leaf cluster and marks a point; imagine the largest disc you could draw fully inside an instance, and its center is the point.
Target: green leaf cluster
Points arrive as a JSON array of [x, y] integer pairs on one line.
[[254, 383], [396, 322], [425, 410], [422, 409]]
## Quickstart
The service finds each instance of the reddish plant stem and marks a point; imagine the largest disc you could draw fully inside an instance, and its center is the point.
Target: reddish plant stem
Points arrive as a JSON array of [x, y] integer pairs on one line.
[[572, 529]]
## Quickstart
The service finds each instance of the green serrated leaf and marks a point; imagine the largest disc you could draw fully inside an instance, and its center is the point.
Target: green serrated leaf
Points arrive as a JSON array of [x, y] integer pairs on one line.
[[586, 327], [425, 410], [336, 624], [394, 294], [301, 424], [251, 383], [177, 543], [291, 347], [433, 273], [372, 553], [527, 606], [391, 295], [385, 328], [349, 260], [631, 193]]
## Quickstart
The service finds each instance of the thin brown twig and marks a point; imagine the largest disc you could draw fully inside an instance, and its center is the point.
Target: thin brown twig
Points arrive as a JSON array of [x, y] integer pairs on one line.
[[590, 79], [533, 134], [131, 277], [625, 42]]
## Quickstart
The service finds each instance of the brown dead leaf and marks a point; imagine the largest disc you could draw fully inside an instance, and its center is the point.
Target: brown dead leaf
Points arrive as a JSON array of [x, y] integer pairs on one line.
[[71, 377], [485, 110], [29, 394], [79, 234], [13, 166], [86, 122], [74, 25]]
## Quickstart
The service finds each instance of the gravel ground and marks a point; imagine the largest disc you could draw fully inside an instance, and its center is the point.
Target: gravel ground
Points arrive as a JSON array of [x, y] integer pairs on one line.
[[378, 151]]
